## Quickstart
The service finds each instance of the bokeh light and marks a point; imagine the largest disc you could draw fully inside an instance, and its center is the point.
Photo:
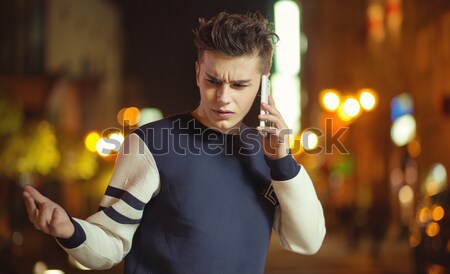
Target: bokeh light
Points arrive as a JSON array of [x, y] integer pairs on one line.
[[352, 107], [128, 116], [330, 99], [414, 148], [342, 114], [149, 115], [396, 178], [436, 180], [295, 144], [367, 99], [104, 147], [406, 195], [120, 116], [439, 172], [53, 271], [91, 141], [437, 213], [432, 229], [117, 136], [423, 215], [415, 238], [403, 130], [310, 140], [39, 267], [402, 104]]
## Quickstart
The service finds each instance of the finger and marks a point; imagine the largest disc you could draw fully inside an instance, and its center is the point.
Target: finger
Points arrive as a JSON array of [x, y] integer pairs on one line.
[[270, 108], [36, 195], [44, 217], [58, 217], [272, 101], [268, 130], [30, 206], [274, 121], [54, 221]]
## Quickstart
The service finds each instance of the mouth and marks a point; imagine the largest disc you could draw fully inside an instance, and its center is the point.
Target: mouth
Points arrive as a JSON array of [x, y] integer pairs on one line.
[[222, 113]]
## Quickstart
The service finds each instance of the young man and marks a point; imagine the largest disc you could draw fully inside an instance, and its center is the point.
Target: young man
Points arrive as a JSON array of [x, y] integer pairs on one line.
[[200, 192]]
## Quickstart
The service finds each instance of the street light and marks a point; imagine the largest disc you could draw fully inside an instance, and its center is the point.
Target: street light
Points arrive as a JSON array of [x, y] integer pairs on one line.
[[350, 107], [368, 99], [330, 99]]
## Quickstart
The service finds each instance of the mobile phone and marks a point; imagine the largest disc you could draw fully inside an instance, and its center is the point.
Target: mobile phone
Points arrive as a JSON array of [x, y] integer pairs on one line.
[[265, 91]]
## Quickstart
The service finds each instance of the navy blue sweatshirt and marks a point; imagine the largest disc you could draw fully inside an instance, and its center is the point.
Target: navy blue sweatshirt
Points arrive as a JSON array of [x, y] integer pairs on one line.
[[193, 200]]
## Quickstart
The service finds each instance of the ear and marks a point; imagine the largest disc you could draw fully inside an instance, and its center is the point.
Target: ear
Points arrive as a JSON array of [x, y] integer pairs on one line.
[[197, 72]]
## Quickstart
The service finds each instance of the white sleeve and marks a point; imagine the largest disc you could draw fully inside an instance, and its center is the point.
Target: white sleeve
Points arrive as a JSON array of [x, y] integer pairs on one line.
[[108, 233], [299, 221]]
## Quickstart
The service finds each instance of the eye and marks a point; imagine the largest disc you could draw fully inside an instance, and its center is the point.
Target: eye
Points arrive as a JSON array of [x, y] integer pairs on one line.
[[238, 85], [212, 81]]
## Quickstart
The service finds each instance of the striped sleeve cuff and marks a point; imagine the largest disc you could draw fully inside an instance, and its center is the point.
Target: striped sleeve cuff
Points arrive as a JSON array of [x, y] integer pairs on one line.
[[78, 237], [283, 169]]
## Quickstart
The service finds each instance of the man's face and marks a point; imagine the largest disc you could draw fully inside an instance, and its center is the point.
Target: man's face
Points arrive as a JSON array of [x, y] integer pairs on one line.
[[228, 86]]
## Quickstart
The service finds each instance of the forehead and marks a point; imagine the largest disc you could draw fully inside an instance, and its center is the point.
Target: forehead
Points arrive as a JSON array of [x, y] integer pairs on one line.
[[218, 63]]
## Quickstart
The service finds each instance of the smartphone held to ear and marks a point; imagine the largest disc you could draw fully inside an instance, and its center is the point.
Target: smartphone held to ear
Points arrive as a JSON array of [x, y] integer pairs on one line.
[[265, 91]]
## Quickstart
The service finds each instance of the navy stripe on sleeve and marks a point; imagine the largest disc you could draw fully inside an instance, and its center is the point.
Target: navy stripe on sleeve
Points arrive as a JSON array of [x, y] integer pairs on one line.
[[78, 237], [121, 219], [125, 196]]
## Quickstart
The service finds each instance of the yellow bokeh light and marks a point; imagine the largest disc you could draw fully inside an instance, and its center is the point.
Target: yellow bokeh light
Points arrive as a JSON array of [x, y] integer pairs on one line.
[[423, 215], [118, 136], [130, 116], [104, 147], [342, 114], [91, 141], [120, 116], [432, 187], [295, 144], [352, 107], [432, 229], [330, 99], [437, 213], [406, 194], [53, 271], [368, 99]]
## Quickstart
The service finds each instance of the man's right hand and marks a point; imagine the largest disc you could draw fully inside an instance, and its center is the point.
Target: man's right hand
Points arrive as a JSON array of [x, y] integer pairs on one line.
[[47, 215]]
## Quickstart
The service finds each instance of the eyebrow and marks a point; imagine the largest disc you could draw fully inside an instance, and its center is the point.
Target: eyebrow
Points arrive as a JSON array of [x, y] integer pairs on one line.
[[212, 77]]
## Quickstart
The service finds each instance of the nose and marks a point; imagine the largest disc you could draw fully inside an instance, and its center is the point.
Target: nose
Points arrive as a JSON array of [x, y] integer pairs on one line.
[[223, 94]]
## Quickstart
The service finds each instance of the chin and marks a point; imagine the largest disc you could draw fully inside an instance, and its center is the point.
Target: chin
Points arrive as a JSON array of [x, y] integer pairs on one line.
[[224, 126]]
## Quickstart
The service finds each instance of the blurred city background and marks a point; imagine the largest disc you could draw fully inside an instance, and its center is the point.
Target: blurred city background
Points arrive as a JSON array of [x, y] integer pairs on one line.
[[364, 84]]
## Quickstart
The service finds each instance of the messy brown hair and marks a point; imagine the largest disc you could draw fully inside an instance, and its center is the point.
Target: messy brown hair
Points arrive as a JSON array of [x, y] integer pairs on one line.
[[237, 35]]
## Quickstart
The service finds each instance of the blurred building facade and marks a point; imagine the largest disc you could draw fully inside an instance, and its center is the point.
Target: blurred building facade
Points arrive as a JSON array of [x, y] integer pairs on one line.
[[393, 47], [60, 76]]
